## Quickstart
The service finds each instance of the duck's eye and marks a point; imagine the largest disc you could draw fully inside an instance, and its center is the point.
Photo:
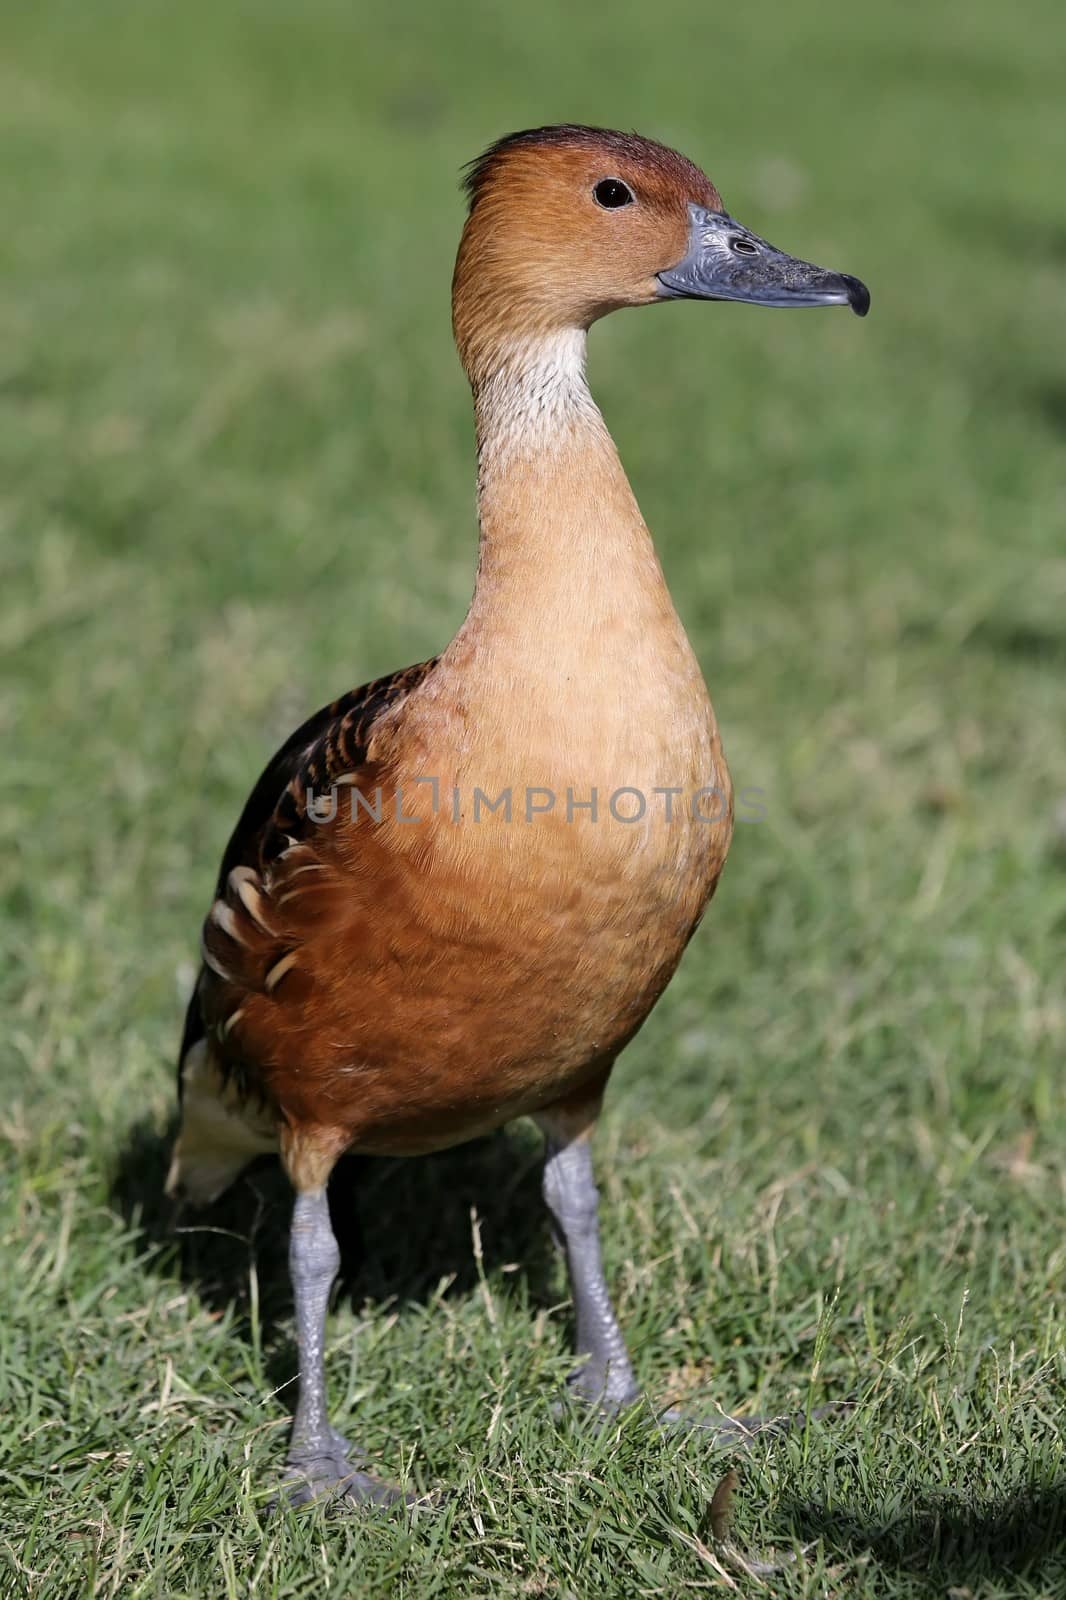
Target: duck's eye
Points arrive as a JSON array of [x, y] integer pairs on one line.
[[744, 247], [612, 193]]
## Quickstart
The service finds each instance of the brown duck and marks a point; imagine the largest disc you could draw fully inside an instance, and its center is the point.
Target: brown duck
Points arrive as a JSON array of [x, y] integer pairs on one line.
[[455, 894]]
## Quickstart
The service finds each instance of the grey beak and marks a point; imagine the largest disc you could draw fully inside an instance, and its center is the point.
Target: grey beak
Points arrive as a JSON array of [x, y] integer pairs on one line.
[[725, 261]]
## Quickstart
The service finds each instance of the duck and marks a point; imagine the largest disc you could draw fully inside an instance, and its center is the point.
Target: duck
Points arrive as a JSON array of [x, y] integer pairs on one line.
[[456, 893]]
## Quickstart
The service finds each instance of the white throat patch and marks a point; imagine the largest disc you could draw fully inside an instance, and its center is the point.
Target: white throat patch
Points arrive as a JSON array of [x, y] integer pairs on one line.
[[535, 395]]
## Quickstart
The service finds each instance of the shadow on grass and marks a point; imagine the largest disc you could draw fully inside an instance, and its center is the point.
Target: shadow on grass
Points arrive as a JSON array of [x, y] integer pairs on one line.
[[402, 1226], [1050, 401], [952, 1543], [1012, 638]]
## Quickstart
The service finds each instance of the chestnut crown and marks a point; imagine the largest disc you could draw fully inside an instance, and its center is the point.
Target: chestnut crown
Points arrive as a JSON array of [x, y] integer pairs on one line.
[[567, 223]]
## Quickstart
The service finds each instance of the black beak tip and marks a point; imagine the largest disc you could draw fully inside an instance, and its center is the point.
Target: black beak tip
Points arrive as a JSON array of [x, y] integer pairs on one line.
[[858, 295]]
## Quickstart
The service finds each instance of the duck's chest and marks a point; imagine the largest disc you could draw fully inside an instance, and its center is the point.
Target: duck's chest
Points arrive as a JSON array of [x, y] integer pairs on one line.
[[581, 822]]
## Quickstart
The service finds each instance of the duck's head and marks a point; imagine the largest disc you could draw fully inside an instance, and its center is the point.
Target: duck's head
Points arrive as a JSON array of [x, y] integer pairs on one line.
[[568, 223]]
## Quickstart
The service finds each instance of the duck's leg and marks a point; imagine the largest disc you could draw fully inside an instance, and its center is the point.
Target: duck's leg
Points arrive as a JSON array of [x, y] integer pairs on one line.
[[318, 1461], [605, 1376]]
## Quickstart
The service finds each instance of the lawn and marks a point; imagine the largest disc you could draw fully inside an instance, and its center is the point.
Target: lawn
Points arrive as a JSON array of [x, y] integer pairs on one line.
[[235, 479]]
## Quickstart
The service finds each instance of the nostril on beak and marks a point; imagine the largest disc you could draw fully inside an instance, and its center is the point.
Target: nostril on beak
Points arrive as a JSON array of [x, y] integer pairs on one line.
[[743, 247]]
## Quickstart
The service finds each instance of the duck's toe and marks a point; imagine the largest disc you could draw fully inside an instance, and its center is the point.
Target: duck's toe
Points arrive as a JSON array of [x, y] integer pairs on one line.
[[327, 1474]]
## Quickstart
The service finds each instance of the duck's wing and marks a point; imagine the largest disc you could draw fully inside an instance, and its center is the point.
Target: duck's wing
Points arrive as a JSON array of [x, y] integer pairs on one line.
[[239, 936]]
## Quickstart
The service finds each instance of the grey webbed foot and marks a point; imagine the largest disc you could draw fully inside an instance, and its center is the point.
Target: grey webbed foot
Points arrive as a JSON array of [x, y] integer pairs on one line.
[[603, 1386], [324, 1472]]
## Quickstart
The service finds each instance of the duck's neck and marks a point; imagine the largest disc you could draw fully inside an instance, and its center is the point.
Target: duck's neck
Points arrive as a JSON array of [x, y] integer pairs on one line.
[[566, 566]]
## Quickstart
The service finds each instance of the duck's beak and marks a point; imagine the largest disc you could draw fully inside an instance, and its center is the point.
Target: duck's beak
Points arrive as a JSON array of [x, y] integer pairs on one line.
[[725, 261]]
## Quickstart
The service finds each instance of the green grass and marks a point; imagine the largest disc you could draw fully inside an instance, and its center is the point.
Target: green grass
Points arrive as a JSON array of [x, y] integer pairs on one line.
[[236, 478]]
